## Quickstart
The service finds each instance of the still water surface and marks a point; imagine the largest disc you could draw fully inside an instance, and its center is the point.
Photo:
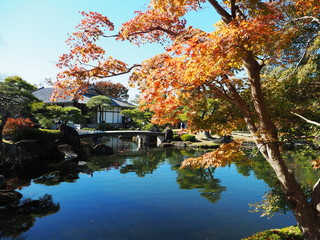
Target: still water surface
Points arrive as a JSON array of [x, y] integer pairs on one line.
[[142, 194]]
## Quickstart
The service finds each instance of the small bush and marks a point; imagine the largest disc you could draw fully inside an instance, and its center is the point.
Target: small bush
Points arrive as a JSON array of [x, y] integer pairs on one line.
[[188, 138], [88, 129], [176, 138], [38, 134], [104, 127]]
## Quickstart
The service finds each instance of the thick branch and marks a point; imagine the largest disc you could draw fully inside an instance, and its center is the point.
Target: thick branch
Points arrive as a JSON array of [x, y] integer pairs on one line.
[[244, 109], [113, 74], [122, 73], [226, 17], [315, 198], [313, 19], [233, 9], [307, 120]]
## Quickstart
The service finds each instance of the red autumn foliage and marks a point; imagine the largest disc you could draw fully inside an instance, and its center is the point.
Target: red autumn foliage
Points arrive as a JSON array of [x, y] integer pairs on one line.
[[14, 124]]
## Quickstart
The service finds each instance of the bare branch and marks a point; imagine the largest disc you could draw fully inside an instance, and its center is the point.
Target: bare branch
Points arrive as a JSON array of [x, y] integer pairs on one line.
[[112, 74], [313, 19], [302, 57], [315, 198], [122, 73], [143, 32], [307, 120]]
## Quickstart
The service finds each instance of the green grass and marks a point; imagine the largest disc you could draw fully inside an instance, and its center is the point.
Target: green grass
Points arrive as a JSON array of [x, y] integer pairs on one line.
[[288, 233]]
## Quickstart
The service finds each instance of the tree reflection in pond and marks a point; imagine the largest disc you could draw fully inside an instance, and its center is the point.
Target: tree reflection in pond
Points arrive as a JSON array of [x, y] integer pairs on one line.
[[142, 165], [202, 179], [17, 218], [274, 201]]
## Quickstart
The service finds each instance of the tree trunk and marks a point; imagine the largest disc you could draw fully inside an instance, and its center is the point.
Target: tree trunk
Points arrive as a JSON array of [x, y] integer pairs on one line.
[[3, 123], [100, 117], [1, 130], [268, 145]]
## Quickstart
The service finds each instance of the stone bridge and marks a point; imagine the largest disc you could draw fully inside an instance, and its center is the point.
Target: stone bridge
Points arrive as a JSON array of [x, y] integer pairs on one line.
[[144, 138]]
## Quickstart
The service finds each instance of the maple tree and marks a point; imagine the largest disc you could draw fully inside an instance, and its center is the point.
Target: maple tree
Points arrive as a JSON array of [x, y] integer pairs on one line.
[[14, 124], [199, 70], [116, 90]]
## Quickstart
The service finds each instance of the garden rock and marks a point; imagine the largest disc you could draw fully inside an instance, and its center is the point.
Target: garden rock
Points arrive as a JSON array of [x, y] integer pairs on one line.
[[9, 196], [3, 182]]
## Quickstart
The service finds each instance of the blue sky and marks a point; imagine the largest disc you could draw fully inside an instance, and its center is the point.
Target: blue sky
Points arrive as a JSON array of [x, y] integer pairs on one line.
[[33, 34]]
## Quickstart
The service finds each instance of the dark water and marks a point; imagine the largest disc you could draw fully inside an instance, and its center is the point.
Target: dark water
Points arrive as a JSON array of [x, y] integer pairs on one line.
[[142, 194]]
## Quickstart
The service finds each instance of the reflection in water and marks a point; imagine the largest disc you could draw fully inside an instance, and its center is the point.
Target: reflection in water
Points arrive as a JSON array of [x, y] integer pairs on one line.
[[274, 201], [116, 143], [144, 164], [18, 217], [65, 172], [202, 179]]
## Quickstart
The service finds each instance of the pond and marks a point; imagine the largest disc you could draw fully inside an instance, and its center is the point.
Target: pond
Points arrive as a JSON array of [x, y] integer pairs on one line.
[[141, 194]]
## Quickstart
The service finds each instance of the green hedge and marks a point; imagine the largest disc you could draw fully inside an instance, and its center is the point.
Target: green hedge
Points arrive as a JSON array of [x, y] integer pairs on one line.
[[188, 137], [176, 138], [88, 129], [104, 127], [38, 134]]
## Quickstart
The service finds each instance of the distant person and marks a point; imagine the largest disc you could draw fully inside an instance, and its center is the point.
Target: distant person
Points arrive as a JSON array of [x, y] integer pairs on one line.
[[182, 125]]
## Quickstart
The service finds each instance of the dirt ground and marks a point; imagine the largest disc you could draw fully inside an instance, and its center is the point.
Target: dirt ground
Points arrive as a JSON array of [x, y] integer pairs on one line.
[[244, 136]]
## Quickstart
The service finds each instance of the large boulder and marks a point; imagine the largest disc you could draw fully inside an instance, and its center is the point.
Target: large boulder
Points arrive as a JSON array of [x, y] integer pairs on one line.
[[71, 137], [9, 196], [39, 149], [26, 152], [68, 151], [168, 134], [3, 182]]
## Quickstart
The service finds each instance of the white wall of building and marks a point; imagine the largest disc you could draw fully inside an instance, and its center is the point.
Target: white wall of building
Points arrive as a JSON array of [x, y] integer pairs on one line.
[[111, 115]]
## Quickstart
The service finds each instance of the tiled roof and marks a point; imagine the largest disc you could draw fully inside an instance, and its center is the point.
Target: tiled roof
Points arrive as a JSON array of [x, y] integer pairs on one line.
[[44, 94]]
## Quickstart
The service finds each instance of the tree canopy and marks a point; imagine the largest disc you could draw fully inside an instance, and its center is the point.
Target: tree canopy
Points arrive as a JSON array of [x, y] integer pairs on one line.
[[116, 90], [99, 102], [15, 98], [199, 72], [48, 115]]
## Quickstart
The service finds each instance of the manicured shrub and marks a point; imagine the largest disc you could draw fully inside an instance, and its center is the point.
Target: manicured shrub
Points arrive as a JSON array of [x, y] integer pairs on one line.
[[88, 129], [104, 127], [176, 138], [38, 134], [188, 137]]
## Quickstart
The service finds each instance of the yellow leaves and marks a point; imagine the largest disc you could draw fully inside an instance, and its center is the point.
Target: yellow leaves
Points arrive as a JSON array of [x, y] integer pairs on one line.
[[224, 155], [176, 7], [308, 7], [151, 26], [257, 35], [316, 163]]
